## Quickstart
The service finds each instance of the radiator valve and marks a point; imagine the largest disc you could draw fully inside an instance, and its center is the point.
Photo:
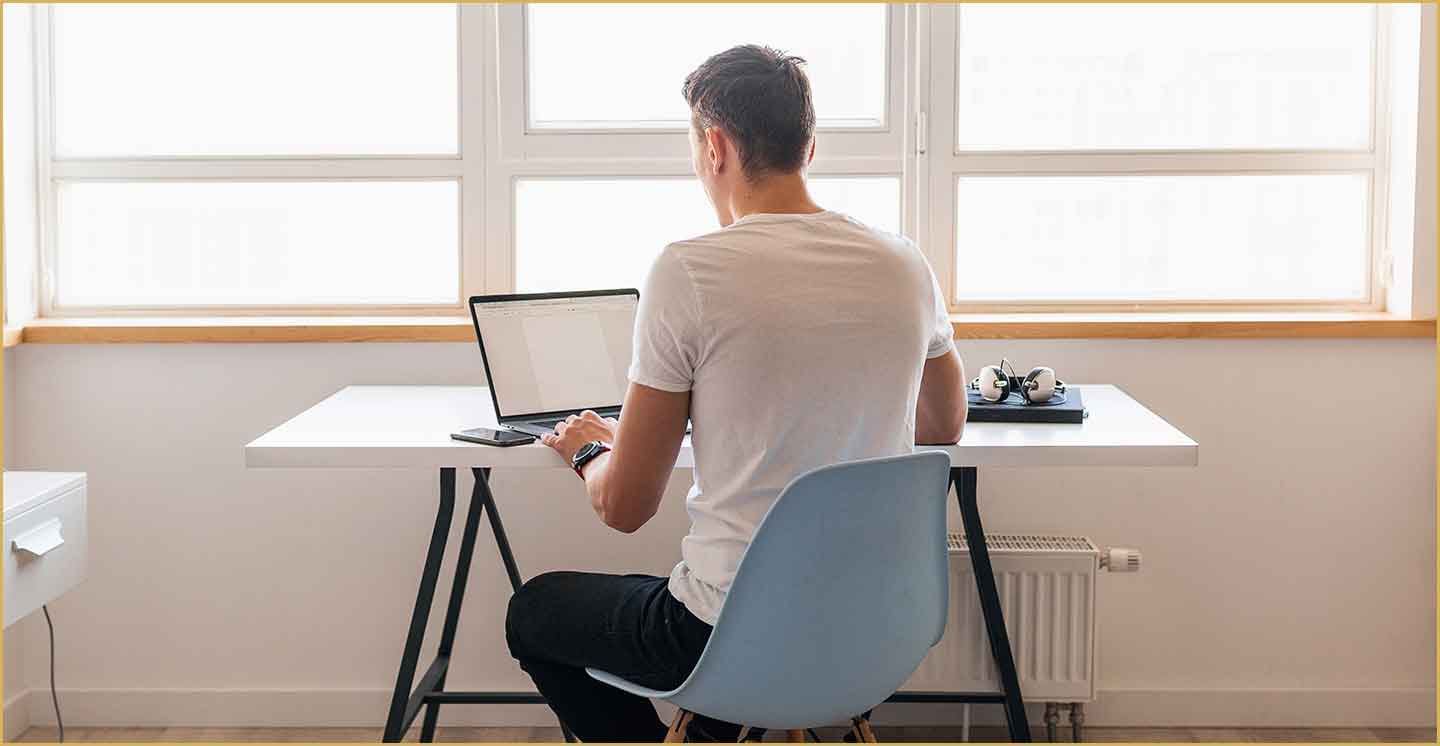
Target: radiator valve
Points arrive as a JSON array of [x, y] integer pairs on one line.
[[1120, 559]]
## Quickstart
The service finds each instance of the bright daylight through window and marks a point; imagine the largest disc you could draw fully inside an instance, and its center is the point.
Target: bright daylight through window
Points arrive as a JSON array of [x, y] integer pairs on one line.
[[399, 157]]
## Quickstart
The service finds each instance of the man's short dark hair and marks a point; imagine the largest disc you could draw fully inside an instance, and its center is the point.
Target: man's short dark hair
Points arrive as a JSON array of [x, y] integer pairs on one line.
[[761, 98]]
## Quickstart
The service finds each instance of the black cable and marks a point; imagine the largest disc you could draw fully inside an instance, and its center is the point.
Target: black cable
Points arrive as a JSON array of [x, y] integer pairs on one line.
[[54, 698]]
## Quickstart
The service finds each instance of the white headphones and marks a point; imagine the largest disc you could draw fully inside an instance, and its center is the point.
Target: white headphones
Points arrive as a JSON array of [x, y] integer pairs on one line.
[[1039, 386]]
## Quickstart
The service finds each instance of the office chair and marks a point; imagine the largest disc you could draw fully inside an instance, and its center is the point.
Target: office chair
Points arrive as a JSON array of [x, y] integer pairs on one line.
[[840, 595]]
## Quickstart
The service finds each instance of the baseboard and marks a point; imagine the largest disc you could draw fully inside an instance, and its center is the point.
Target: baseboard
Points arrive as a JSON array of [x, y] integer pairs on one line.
[[219, 708], [255, 708], [1319, 708], [1211, 708], [17, 716]]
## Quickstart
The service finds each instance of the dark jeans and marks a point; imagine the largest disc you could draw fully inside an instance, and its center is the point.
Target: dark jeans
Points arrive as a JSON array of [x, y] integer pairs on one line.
[[629, 625]]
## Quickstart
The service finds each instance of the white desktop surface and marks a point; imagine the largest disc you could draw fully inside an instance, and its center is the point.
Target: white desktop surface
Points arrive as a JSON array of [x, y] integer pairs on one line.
[[410, 426]]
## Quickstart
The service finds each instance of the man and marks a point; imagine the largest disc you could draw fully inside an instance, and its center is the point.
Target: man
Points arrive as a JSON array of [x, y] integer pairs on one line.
[[792, 338]]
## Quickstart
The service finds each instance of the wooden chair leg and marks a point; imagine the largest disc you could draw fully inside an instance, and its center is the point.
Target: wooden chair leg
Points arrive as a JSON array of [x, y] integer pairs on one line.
[[863, 732], [795, 735], [678, 726]]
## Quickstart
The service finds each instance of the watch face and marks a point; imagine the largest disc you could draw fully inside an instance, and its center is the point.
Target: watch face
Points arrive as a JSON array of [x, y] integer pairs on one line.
[[585, 451]]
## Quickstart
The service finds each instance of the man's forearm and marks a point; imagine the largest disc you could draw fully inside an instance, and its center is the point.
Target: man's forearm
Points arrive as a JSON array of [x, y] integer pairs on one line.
[[623, 507], [596, 475], [940, 429]]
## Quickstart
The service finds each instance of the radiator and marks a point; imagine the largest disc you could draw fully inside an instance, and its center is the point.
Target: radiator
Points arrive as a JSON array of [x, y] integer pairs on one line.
[[1047, 590]]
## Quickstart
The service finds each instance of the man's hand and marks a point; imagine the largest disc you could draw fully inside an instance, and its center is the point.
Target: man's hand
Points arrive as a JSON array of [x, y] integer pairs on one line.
[[577, 430]]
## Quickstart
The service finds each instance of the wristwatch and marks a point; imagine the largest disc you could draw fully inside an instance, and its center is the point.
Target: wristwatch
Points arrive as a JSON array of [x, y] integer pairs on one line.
[[586, 454]]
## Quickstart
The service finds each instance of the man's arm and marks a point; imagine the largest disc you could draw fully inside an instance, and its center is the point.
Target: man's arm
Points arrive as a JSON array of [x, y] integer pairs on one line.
[[940, 411], [625, 486]]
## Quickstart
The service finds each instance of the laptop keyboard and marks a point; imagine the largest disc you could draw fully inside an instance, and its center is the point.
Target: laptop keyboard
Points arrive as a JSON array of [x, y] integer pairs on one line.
[[550, 424]]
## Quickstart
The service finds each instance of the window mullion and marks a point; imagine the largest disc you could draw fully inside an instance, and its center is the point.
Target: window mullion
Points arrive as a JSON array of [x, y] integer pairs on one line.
[[907, 84], [503, 125], [938, 46], [475, 62], [45, 183], [1380, 253]]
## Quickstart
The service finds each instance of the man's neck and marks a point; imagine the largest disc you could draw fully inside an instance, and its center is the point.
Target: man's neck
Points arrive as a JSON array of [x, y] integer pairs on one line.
[[778, 195]]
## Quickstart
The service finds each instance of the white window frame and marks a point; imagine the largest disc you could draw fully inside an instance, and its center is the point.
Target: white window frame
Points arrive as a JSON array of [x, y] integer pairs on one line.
[[945, 163], [916, 143], [521, 151], [464, 167]]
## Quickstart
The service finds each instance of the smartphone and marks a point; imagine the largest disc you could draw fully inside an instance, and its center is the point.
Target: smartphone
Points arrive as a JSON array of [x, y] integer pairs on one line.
[[492, 437]]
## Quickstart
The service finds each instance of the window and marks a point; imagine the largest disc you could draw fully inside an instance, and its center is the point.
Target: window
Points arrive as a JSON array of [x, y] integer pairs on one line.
[[188, 172], [592, 126], [273, 243], [1159, 156], [651, 47], [1178, 77], [584, 252], [396, 158], [1139, 239], [186, 80]]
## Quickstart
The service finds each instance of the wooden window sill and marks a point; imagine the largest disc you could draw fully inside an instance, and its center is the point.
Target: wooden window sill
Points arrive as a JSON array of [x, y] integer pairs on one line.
[[248, 329], [210, 330], [1187, 325]]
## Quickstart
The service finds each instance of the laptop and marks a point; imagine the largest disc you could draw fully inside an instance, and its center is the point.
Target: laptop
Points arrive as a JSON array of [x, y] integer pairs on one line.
[[551, 355]]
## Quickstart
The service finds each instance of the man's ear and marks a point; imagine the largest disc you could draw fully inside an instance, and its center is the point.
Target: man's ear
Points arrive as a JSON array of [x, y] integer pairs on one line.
[[716, 142], [811, 158]]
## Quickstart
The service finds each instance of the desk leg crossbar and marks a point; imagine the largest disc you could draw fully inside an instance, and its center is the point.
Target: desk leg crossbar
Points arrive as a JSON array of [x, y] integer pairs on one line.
[[405, 704], [430, 693]]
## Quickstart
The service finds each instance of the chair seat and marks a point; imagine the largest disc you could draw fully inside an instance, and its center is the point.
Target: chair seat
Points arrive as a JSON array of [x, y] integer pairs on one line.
[[626, 686]]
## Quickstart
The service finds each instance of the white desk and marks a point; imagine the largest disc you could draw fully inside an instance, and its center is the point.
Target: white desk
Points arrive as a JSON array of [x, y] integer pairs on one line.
[[408, 427]]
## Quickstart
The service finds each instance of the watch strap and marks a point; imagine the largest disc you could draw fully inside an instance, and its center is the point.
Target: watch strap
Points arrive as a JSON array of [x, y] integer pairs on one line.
[[587, 453]]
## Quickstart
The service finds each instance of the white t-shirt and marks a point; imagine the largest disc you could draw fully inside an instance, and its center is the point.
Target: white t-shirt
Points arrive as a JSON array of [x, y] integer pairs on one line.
[[801, 339]]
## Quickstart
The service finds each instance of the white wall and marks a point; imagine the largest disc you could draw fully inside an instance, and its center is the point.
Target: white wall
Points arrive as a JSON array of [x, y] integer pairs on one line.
[[1289, 580], [15, 714]]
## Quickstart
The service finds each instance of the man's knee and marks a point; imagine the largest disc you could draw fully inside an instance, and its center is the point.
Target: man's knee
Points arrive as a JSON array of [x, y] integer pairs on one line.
[[529, 607]]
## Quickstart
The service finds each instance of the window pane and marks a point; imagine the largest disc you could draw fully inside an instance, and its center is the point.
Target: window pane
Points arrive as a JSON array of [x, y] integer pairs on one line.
[[1163, 238], [282, 243], [597, 65], [1054, 77], [604, 240], [249, 79]]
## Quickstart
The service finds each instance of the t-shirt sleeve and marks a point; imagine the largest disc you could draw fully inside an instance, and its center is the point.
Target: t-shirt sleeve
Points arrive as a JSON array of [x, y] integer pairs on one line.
[[942, 339], [667, 328]]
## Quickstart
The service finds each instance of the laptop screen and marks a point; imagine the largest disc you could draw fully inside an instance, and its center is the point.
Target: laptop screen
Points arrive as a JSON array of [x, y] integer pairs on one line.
[[554, 354]]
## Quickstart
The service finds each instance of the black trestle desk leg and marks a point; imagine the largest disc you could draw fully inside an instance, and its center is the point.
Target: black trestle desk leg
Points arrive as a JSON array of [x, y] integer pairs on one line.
[[502, 542], [452, 612], [395, 723], [482, 488], [964, 479]]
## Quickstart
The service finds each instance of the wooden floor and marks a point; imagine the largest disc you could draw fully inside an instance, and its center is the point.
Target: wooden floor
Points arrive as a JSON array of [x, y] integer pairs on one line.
[[930, 734]]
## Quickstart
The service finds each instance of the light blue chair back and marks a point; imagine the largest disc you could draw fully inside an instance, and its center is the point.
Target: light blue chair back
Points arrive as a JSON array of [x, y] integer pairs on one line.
[[841, 593]]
